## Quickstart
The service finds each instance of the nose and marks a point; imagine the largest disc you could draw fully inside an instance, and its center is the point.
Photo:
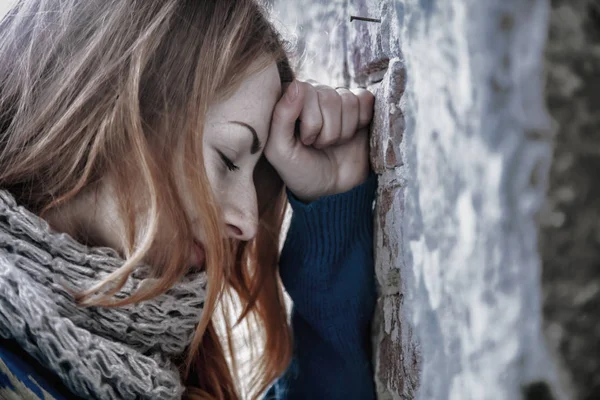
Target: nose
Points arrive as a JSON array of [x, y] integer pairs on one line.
[[241, 213]]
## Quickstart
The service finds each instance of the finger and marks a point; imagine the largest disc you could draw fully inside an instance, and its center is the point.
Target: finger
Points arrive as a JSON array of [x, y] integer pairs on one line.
[[330, 103], [350, 114], [311, 120], [366, 102], [282, 137]]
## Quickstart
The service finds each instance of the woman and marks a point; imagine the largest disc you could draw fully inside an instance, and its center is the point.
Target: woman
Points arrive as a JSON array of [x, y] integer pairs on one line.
[[145, 148]]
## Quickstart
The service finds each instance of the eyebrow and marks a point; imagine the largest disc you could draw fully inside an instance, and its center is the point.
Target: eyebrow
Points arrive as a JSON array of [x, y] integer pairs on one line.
[[256, 145]]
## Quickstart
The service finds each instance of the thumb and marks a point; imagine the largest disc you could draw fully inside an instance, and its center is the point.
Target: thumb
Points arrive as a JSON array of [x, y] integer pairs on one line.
[[282, 138]]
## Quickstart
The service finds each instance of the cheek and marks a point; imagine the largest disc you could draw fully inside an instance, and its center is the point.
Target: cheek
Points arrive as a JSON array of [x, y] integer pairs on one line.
[[183, 185], [213, 169]]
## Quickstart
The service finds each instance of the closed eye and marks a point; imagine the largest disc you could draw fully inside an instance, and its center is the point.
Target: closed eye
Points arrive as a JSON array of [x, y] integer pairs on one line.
[[228, 163]]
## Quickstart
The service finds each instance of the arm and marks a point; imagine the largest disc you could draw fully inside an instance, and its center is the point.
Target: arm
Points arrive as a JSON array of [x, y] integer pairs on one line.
[[319, 145], [327, 268]]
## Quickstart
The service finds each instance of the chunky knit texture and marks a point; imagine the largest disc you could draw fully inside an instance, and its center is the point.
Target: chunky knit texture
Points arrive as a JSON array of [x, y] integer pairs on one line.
[[97, 352]]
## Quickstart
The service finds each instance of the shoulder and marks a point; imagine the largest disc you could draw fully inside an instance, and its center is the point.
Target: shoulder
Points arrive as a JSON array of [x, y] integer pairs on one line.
[[22, 377]]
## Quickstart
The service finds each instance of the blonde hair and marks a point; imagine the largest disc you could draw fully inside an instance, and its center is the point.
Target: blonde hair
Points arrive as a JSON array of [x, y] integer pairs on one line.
[[94, 88]]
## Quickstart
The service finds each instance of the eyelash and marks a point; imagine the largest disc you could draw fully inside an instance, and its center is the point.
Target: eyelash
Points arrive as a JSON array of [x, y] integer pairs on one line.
[[228, 163]]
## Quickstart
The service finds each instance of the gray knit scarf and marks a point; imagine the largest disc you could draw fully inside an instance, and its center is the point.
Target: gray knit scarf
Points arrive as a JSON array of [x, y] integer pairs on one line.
[[99, 353]]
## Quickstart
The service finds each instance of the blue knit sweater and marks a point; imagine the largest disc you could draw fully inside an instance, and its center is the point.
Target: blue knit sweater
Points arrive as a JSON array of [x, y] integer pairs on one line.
[[327, 268]]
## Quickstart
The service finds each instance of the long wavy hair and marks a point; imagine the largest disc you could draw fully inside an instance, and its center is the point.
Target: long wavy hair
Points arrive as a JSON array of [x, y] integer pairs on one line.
[[94, 88]]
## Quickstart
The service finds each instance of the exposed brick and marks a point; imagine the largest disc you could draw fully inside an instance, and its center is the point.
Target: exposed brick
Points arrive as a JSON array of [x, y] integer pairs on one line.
[[398, 367], [388, 121]]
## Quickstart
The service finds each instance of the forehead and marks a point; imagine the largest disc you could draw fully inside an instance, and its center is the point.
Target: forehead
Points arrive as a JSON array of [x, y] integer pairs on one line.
[[253, 101]]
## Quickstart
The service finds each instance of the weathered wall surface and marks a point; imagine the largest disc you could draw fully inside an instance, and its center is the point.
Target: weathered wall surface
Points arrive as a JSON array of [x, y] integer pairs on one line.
[[463, 146]]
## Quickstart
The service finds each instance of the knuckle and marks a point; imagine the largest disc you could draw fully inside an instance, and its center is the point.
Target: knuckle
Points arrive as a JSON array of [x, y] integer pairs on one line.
[[306, 85], [366, 114], [330, 98], [364, 94], [328, 138], [348, 132], [331, 140], [310, 127], [280, 113], [365, 97], [320, 144], [343, 90], [369, 103], [365, 120], [350, 101], [368, 95]]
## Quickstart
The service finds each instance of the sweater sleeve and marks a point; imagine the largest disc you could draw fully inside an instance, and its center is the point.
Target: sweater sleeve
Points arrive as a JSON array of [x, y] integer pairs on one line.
[[23, 377], [327, 268]]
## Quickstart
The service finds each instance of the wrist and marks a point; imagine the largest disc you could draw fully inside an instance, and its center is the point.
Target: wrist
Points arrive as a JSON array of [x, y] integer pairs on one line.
[[330, 220], [342, 185]]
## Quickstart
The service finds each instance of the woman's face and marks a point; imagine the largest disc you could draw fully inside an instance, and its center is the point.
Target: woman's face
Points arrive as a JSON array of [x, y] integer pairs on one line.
[[236, 131]]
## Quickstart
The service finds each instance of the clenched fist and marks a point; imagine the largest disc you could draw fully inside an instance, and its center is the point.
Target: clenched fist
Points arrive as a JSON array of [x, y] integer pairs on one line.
[[319, 140]]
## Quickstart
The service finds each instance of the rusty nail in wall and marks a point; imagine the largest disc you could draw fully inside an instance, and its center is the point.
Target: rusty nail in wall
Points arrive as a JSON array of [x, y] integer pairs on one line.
[[352, 18]]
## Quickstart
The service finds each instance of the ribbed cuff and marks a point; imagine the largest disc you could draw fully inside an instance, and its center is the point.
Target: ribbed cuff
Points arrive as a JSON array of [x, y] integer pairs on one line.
[[320, 231]]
